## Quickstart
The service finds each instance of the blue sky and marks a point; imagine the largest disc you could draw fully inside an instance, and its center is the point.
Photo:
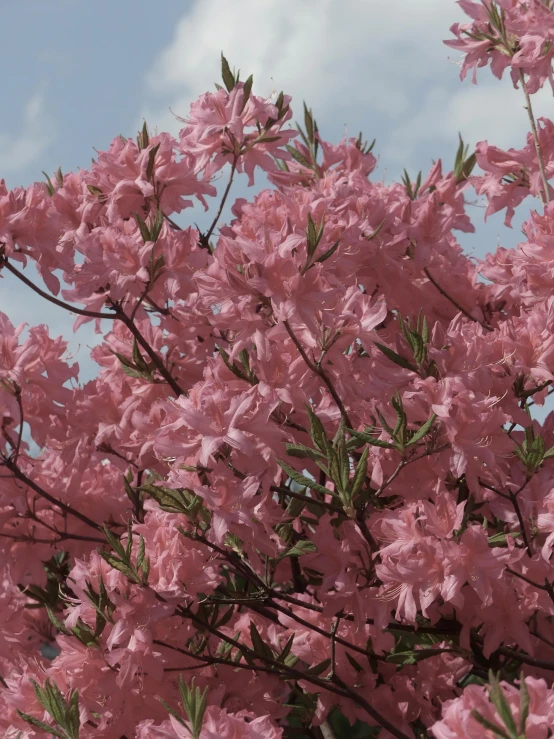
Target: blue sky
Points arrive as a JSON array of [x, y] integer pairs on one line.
[[77, 73]]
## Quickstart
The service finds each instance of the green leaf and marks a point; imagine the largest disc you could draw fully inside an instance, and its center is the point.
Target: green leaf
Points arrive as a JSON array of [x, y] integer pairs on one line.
[[226, 74], [171, 711], [384, 423], [524, 702], [117, 564], [355, 664], [422, 431], [73, 719], [419, 350], [95, 191], [150, 165], [143, 139], [306, 482], [85, 634], [233, 542], [156, 227], [360, 473], [317, 432], [267, 139], [425, 331], [468, 166], [145, 570], [311, 235], [36, 593], [140, 364], [500, 702], [343, 459], [497, 730], [396, 358], [501, 538], [232, 366], [377, 230], [169, 499], [296, 506], [319, 668], [309, 123], [129, 542], [302, 452], [328, 253], [286, 650], [59, 625], [366, 437], [52, 700], [258, 644], [130, 372], [401, 418], [159, 264], [194, 704], [246, 90], [141, 550], [402, 658], [297, 156], [227, 616], [41, 725], [143, 228], [49, 185], [302, 547]]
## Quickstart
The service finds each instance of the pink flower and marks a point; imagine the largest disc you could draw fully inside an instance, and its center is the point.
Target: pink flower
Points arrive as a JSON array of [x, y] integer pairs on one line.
[[458, 721]]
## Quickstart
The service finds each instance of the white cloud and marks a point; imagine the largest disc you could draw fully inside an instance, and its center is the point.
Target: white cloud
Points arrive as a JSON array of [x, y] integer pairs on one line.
[[36, 132], [375, 65], [334, 53], [489, 111]]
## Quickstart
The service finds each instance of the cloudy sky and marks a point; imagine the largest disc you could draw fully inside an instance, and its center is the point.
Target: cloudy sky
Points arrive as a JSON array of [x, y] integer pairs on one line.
[[77, 73]]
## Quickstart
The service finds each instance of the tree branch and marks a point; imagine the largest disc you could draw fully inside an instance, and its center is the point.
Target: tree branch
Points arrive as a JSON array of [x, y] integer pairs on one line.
[[209, 232], [454, 302], [20, 475], [320, 372], [545, 197], [51, 299]]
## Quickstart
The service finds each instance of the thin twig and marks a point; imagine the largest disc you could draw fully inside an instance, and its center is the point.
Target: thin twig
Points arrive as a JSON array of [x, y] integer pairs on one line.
[[545, 197], [404, 463], [164, 372], [209, 232], [60, 303], [291, 672], [306, 499], [20, 475], [19, 400], [514, 502], [525, 658], [118, 314], [320, 372], [512, 497], [250, 575], [455, 302]]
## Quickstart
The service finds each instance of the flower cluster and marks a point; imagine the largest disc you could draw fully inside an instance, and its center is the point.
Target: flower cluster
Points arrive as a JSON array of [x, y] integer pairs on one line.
[[307, 486]]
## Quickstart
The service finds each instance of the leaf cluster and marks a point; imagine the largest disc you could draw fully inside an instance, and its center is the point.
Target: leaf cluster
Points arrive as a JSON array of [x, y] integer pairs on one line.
[[510, 728], [65, 713], [532, 452], [136, 367], [417, 338], [120, 556]]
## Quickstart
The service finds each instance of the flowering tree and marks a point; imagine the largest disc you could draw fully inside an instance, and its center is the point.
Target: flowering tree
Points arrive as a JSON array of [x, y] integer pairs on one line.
[[305, 494]]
